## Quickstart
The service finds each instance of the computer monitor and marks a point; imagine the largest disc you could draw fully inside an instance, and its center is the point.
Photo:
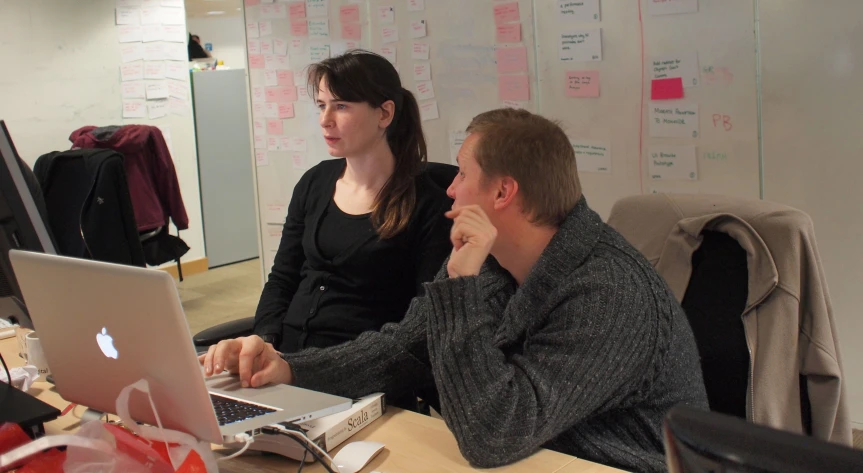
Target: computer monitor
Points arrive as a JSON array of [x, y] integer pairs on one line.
[[698, 441], [21, 227]]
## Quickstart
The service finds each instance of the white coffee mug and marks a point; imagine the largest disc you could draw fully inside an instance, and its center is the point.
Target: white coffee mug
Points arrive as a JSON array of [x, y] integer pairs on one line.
[[35, 355]]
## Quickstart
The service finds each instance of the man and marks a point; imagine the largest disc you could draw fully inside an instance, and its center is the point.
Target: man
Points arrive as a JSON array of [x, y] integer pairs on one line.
[[545, 328]]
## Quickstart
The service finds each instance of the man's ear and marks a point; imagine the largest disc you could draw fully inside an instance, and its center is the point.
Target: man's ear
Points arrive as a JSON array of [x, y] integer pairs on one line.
[[388, 110], [505, 192]]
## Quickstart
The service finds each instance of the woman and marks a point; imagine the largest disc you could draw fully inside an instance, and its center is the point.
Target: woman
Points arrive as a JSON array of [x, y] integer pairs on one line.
[[363, 232]]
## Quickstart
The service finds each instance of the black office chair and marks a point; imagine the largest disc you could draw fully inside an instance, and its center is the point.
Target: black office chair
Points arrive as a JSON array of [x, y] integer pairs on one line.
[[440, 174], [705, 442]]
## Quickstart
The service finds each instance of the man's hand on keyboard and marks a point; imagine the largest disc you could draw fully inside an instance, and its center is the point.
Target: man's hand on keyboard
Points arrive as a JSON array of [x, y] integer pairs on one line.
[[257, 362]]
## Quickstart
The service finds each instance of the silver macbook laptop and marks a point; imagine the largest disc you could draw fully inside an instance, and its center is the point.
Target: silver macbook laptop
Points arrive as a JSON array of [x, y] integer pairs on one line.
[[104, 326]]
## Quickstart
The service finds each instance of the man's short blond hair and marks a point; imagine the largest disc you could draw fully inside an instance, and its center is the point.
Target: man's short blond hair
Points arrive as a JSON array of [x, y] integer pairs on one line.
[[535, 152]]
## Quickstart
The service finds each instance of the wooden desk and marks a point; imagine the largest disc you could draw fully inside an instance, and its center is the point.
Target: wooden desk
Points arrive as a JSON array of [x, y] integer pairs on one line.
[[414, 443]]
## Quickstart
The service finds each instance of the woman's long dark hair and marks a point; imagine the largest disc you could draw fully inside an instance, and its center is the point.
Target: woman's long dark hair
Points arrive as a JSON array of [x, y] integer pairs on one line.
[[362, 76]]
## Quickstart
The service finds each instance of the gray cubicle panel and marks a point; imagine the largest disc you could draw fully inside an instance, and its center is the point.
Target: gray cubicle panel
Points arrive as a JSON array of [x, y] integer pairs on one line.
[[225, 166]]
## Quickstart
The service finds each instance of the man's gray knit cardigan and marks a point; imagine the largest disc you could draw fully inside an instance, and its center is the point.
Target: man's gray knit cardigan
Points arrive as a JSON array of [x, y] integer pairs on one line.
[[585, 357]]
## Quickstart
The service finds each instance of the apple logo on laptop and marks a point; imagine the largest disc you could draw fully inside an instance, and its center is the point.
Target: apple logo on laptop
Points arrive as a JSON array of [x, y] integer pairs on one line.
[[106, 344]]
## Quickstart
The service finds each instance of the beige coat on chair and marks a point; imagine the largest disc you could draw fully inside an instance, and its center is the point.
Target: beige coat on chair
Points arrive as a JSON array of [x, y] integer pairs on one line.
[[788, 318]]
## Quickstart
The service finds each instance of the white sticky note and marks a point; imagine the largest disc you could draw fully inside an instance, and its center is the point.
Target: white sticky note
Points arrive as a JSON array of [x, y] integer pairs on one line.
[[274, 143], [260, 142], [154, 69], [177, 70], [298, 160], [128, 3], [271, 78], [319, 52], [132, 71], [267, 46], [581, 45], [130, 52], [671, 7], [422, 72], [154, 51], [672, 162], [254, 46], [514, 104], [150, 16], [157, 109], [297, 47], [280, 46], [389, 34], [252, 30], [319, 28], [420, 51], [389, 52], [456, 139], [135, 89], [416, 5], [265, 28], [128, 16], [157, 90], [259, 127], [425, 90], [592, 156], [297, 144], [418, 29], [175, 52], [276, 11], [134, 109], [178, 89], [173, 16], [152, 33], [429, 111], [261, 158], [317, 8], [271, 110], [579, 11], [676, 119], [129, 33], [258, 95], [683, 65], [386, 15], [174, 33], [178, 106]]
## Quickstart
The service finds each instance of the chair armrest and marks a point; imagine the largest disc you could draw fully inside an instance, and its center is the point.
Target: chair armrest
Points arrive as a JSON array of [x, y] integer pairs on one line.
[[233, 329]]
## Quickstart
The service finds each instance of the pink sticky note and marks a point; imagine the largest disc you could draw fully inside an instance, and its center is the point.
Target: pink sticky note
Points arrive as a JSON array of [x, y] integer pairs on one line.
[[256, 61], [286, 78], [281, 94], [349, 13], [251, 3], [582, 84], [352, 31], [666, 89], [300, 28], [514, 87], [274, 127], [510, 33], [506, 13], [286, 110], [511, 59], [297, 10]]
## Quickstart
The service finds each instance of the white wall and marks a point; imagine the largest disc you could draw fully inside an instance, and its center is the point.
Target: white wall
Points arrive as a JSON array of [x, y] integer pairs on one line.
[[228, 35], [812, 60], [61, 70]]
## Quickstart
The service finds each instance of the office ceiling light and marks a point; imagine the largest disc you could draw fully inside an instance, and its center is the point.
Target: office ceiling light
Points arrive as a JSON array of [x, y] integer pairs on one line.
[[215, 12]]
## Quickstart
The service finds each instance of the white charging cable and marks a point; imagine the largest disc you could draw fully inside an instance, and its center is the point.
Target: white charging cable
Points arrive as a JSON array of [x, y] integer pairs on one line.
[[244, 437], [308, 441]]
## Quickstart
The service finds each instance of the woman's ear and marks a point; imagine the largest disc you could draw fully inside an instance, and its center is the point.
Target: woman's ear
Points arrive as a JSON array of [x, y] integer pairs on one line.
[[388, 111]]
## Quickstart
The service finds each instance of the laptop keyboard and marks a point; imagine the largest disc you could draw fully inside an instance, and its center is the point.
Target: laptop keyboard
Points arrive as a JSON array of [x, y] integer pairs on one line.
[[230, 410]]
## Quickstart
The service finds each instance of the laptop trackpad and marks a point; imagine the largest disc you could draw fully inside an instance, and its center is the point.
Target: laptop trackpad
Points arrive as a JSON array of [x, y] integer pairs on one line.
[[229, 385]]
